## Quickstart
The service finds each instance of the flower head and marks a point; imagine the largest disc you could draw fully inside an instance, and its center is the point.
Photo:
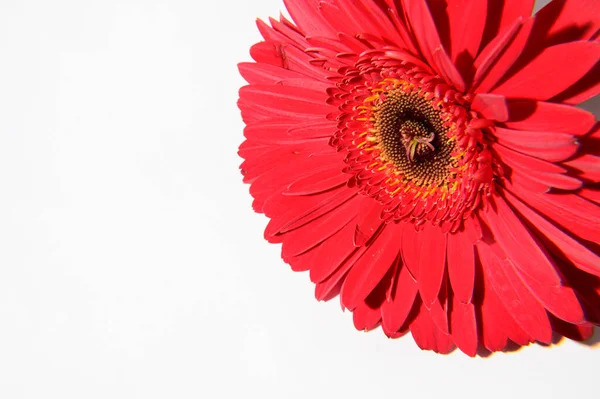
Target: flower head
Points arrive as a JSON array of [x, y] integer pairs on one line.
[[425, 162]]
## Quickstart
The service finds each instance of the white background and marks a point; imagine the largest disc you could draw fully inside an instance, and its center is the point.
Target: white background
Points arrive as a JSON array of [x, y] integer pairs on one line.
[[131, 263]]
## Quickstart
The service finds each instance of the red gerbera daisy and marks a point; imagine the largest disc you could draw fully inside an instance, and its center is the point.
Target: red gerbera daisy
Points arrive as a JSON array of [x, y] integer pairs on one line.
[[424, 160]]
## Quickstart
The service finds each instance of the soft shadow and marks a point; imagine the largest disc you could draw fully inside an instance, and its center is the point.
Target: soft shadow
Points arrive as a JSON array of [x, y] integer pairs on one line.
[[594, 340], [510, 348], [557, 340]]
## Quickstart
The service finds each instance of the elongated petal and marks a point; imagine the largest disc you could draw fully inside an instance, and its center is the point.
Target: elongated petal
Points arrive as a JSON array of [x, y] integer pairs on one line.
[[429, 41], [284, 100], [587, 166], [368, 223], [521, 247], [461, 266], [396, 310], [427, 335], [491, 106], [331, 254], [365, 318], [502, 55], [279, 131], [542, 116], [549, 146], [467, 23], [576, 252], [370, 268], [567, 62], [464, 327], [492, 52], [321, 180], [432, 255], [560, 301], [572, 331], [502, 13], [411, 250], [563, 21], [306, 15], [517, 299], [439, 316], [307, 237], [577, 215]]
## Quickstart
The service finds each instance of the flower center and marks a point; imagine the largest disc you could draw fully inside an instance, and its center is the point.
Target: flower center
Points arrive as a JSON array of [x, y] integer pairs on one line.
[[412, 144], [413, 137], [416, 139]]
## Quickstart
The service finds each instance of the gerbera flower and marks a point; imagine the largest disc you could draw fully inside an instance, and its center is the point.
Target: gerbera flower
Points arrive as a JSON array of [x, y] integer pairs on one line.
[[425, 161]]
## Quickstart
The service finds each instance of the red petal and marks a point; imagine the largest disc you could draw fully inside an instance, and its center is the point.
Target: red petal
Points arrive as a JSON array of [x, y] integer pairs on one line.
[[584, 89], [464, 327], [548, 180], [588, 167], [508, 324], [590, 194], [272, 180], [421, 21], [491, 106], [542, 116], [439, 316], [461, 266], [340, 19], [517, 299], [539, 175], [502, 13], [321, 208], [427, 335], [572, 249], [267, 74], [396, 310], [267, 53], [467, 23], [314, 233], [366, 318], [560, 301], [332, 285], [571, 331], [302, 210], [368, 222], [448, 70], [548, 146], [288, 101], [368, 271], [567, 20], [497, 65], [279, 131], [493, 312], [473, 229], [491, 316], [358, 17], [553, 71], [427, 36], [282, 156], [432, 262], [332, 253], [492, 52], [307, 16], [520, 246], [411, 250], [281, 32], [523, 162], [317, 182], [574, 213]]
